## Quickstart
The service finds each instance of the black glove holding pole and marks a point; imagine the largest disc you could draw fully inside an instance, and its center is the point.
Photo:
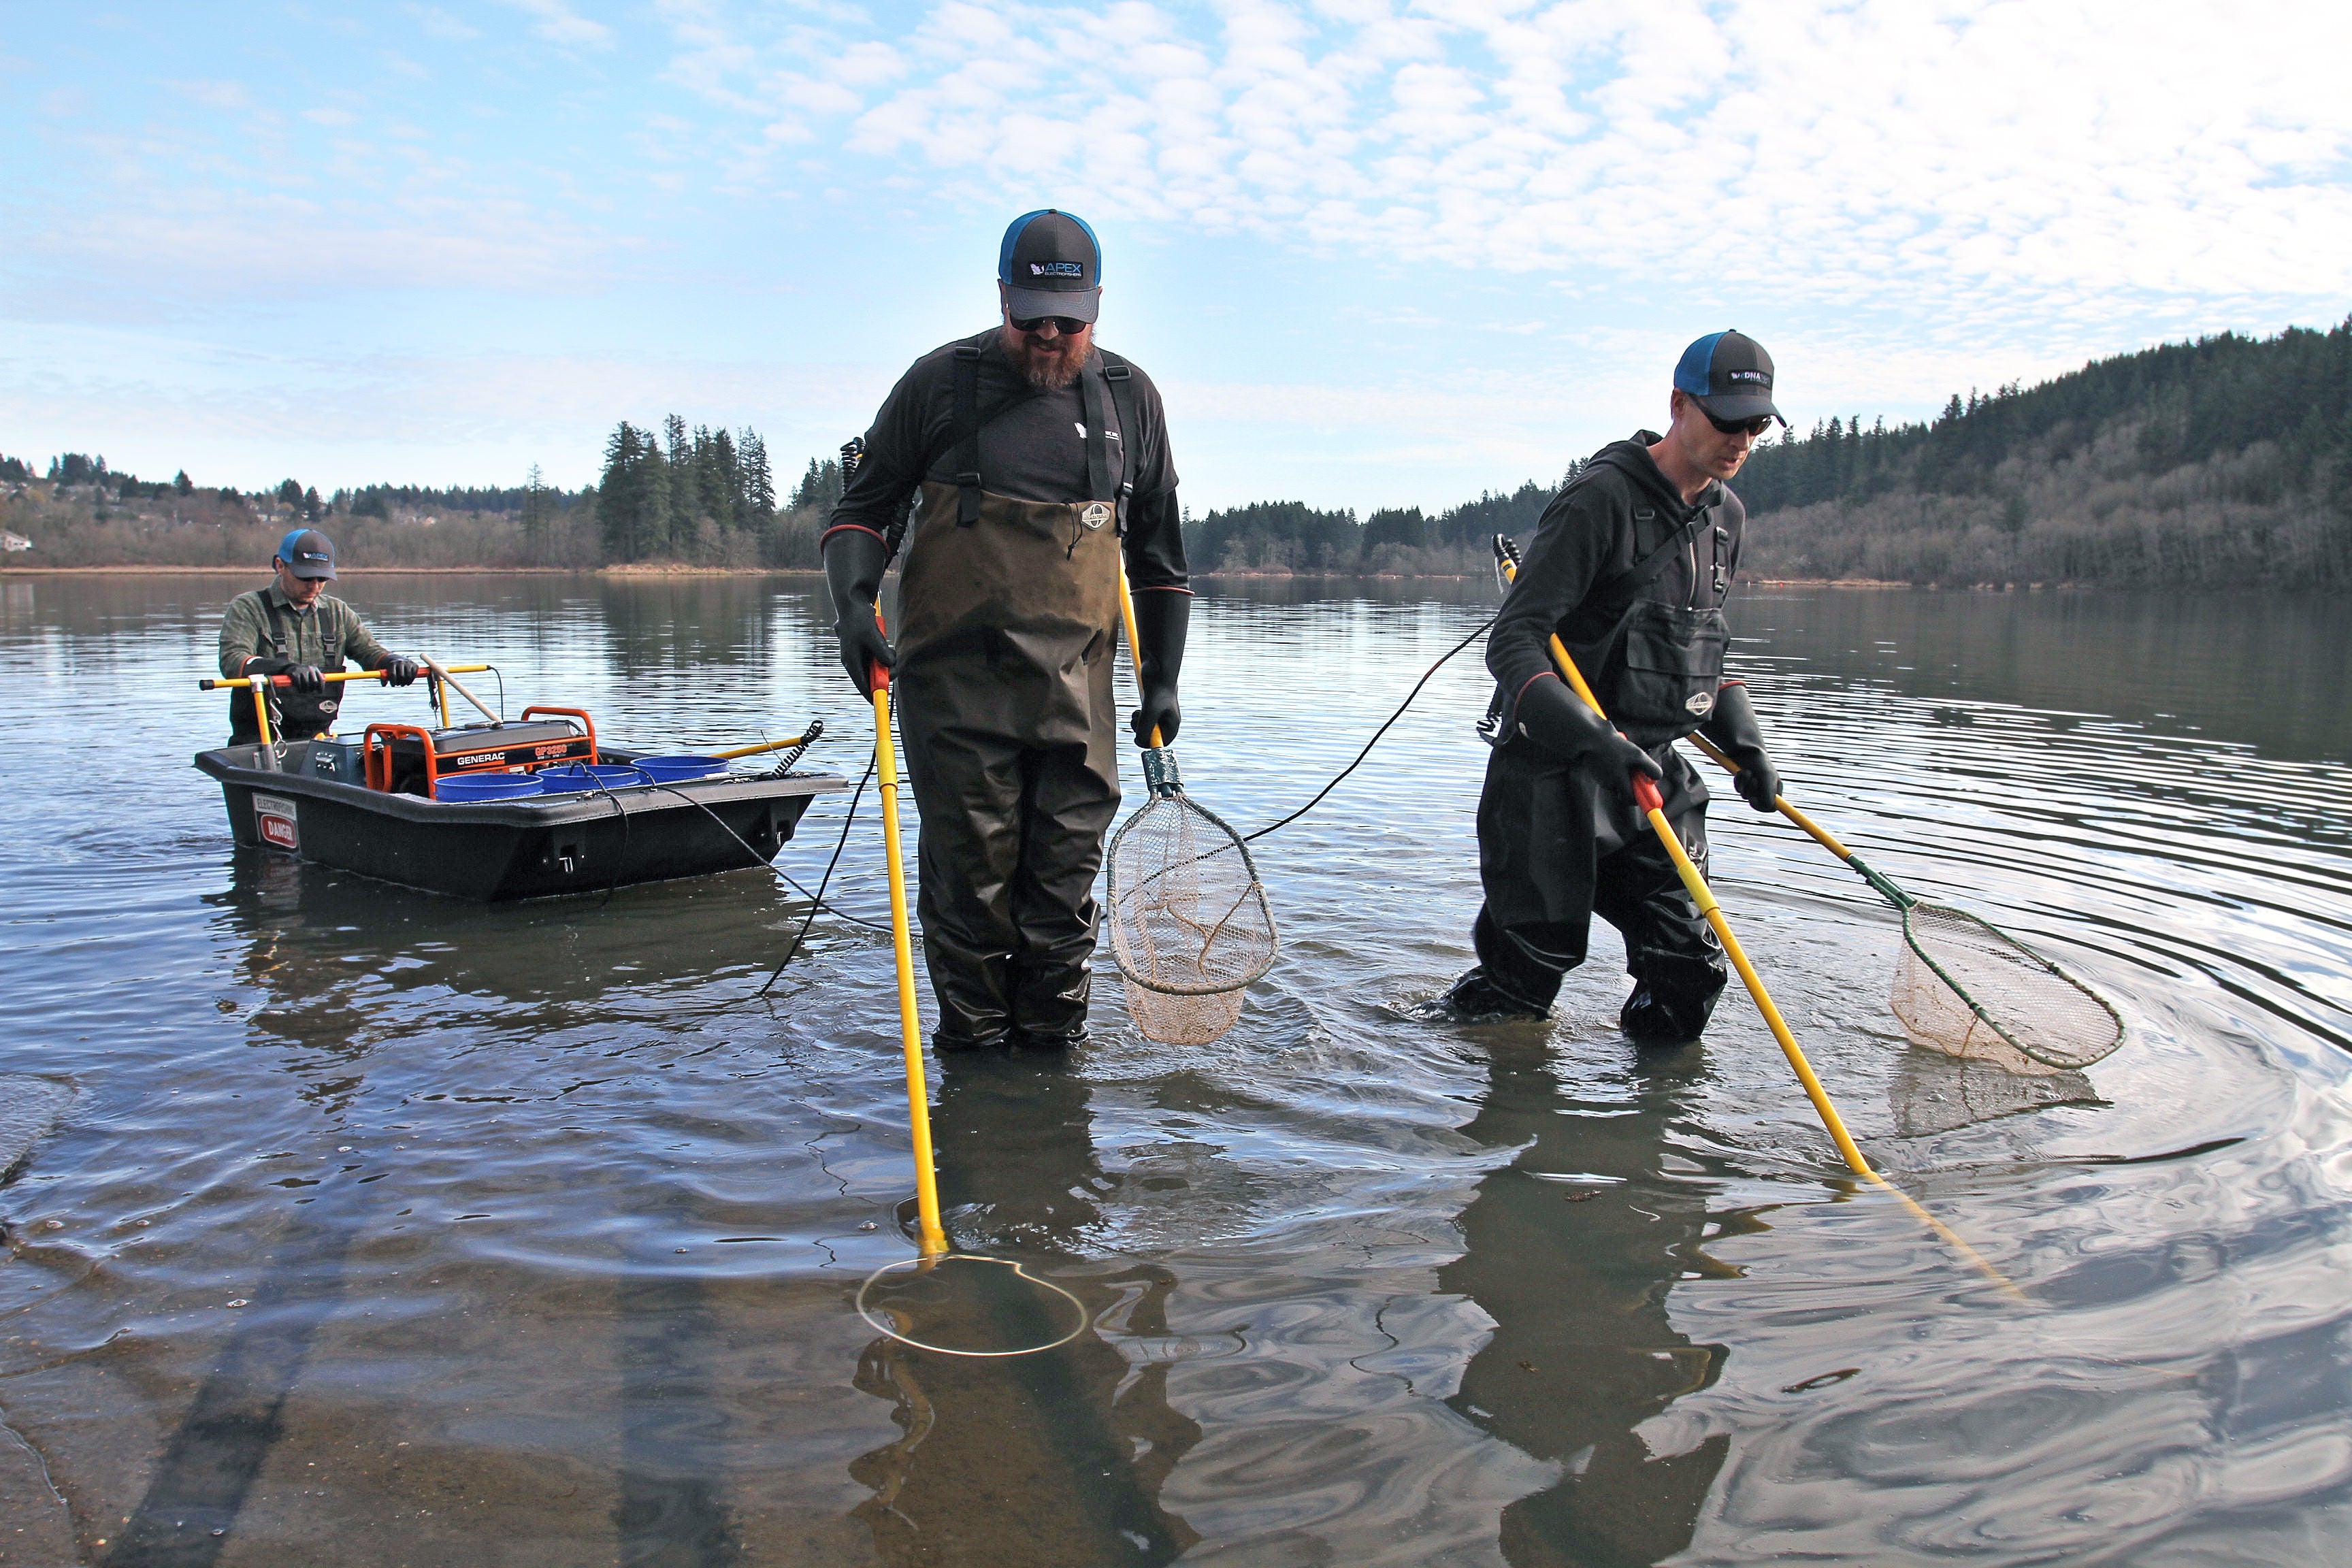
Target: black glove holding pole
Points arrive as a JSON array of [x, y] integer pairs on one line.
[[1161, 618], [399, 669], [1561, 723], [307, 678], [1732, 727], [855, 560]]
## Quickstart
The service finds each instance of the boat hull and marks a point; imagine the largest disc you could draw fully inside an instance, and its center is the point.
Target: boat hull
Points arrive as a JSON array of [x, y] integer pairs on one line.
[[493, 851]]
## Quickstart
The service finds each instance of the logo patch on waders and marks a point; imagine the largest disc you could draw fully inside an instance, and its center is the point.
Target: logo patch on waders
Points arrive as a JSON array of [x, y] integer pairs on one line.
[[1701, 703], [1096, 514]]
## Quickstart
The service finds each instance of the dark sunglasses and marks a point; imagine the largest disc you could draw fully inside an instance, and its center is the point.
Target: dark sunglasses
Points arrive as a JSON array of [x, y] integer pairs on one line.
[[1069, 326], [1755, 426]]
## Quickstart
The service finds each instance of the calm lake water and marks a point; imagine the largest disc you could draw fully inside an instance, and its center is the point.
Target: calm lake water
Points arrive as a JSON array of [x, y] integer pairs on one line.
[[388, 1230]]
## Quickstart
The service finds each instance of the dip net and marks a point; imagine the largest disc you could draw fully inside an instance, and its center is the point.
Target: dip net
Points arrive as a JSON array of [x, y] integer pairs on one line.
[[1190, 928], [1968, 989]]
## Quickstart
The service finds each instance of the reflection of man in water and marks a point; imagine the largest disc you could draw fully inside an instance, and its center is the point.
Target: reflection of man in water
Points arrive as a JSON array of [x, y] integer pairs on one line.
[[1035, 1459], [1575, 1275]]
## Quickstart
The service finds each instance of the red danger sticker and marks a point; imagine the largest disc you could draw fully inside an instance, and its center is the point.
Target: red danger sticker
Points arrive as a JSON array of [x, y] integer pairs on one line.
[[274, 817]]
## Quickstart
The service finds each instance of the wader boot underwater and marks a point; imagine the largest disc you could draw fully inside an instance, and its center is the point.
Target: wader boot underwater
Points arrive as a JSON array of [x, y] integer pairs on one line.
[[1008, 612]]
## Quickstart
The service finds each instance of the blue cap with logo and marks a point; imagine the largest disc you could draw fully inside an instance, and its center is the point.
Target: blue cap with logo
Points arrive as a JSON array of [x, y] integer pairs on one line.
[[1050, 266], [1730, 375], [307, 553]]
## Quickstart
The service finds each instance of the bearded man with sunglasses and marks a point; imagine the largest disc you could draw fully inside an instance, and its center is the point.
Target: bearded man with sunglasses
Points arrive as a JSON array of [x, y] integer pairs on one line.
[[1038, 466], [1630, 567]]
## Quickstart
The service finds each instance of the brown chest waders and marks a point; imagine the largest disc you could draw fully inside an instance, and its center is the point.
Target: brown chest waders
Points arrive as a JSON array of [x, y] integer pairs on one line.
[[1007, 619]]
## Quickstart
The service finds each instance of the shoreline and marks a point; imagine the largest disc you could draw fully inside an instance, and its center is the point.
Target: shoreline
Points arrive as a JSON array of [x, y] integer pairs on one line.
[[671, 573]]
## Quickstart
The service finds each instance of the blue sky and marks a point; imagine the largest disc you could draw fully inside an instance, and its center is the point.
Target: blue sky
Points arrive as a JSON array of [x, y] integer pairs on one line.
[[1374, 254]]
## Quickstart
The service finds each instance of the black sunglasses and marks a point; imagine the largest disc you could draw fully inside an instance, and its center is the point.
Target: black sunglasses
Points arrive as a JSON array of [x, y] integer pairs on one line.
[[1755, 426], [1069, 326]]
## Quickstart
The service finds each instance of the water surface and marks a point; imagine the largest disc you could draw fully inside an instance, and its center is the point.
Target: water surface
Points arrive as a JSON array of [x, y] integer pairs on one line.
[[385, 1229]]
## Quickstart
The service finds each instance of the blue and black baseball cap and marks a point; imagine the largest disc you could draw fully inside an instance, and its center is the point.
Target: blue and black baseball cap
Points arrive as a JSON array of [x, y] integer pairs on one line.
[[307, 553], [1730, 375], [1050, 266]]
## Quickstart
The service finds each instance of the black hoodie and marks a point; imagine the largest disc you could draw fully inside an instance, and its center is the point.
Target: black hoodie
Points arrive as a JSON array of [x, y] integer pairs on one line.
[[1574, 581]]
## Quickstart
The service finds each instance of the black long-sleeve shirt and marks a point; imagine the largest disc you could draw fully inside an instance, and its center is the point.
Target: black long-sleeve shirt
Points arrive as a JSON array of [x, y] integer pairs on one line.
[[1032, 447], [1593, 532]]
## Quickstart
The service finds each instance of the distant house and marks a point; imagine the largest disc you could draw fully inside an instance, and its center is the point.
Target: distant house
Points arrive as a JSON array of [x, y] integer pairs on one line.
[[14, 542]]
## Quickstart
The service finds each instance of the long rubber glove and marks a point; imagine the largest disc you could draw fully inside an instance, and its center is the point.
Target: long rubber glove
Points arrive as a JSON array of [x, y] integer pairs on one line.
[[1732, 727], [1162, 619], [1556, 719], [855, 560]]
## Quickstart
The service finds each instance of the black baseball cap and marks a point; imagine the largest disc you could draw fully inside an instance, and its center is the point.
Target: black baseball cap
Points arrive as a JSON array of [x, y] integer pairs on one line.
[[1730, 375], [1050, 266], [307, 553]]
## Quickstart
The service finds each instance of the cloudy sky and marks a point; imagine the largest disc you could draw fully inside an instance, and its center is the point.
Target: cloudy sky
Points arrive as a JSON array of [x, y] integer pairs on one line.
[[1375, 254]]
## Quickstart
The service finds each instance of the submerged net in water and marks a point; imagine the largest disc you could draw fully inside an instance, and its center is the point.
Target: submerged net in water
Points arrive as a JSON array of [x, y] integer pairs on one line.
[[1190, 928], [1970, 989]]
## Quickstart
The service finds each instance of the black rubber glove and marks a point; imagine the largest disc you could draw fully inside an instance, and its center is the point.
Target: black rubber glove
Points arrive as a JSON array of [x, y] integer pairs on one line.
[[1732, 726], [1557, 718], [1161, 618], [307, 678], [400, 670], [854, 561]]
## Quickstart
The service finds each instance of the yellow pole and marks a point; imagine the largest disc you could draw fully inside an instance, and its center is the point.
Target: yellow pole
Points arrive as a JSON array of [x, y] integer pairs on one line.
[[755, 751], [1134, 643], [1821, 835], [261, 709], [239, 683], [1654, 808], [902, 942]]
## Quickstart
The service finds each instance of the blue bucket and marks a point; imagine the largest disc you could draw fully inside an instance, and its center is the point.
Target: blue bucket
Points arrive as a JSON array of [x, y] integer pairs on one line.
[[574, 778], [472, 788], [680, 768]]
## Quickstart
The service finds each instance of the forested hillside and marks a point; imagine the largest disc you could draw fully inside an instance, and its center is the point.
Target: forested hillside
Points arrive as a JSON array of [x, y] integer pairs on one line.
[[2218, 463], [2214, 464]]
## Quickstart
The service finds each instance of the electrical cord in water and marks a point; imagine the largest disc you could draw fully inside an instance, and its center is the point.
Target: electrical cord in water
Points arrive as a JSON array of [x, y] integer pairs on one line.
[[817, 903], [1375, 740], [816, 899]]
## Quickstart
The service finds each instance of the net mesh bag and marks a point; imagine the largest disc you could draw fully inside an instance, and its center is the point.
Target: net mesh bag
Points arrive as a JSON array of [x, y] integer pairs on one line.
[[1190, 928], [1970, 990]]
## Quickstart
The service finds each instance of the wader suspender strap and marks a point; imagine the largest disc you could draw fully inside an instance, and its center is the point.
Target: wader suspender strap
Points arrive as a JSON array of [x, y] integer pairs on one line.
[[1645, 571], [1097, 435], [1122, 397], [967, 434]]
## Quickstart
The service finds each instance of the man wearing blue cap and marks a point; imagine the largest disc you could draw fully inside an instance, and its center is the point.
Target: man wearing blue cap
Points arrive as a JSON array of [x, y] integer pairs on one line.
[[1038, 464], [1629, 568], [294, 629]]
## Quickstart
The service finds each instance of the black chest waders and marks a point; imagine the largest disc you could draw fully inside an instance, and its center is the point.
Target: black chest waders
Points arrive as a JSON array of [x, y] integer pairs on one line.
[[1007, 619]]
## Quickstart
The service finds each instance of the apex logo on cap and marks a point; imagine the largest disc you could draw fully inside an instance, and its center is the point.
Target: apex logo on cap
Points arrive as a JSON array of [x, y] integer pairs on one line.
[[1056, 270], [1755, 375]]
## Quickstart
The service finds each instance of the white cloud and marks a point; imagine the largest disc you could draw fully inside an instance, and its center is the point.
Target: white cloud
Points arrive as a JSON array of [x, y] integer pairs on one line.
[[1977, 168], [560, 24]]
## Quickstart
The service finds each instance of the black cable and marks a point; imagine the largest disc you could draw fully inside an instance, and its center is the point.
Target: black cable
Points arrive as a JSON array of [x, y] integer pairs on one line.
[[1375, 740], [817, 897], [823, 882]]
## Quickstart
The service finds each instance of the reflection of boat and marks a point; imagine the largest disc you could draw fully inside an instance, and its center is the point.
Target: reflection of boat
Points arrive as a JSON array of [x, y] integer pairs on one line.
[[295, 796]]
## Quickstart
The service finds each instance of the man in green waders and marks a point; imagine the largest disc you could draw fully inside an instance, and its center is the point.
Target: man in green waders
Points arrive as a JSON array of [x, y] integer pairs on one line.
[[1041, 461], [294, 628], [1630, 567]]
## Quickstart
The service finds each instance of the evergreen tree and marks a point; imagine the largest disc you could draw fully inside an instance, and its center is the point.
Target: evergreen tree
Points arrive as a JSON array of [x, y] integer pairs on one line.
[[633, 510], [536, 511], [758, 494], [182, 484]]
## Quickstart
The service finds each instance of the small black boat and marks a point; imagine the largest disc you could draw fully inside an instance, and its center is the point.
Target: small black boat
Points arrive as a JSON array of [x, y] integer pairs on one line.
[[311, 799]]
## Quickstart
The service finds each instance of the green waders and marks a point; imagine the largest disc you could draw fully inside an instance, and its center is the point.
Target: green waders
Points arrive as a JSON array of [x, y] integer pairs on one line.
[[1006, 632]]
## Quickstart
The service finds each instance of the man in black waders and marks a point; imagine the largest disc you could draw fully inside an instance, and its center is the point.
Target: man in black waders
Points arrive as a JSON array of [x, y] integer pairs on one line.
[[1630, 566], [1041, 461], [294, 629]]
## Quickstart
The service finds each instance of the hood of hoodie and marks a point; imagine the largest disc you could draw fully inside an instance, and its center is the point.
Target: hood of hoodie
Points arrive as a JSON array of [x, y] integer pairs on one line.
[[1631, 457]]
